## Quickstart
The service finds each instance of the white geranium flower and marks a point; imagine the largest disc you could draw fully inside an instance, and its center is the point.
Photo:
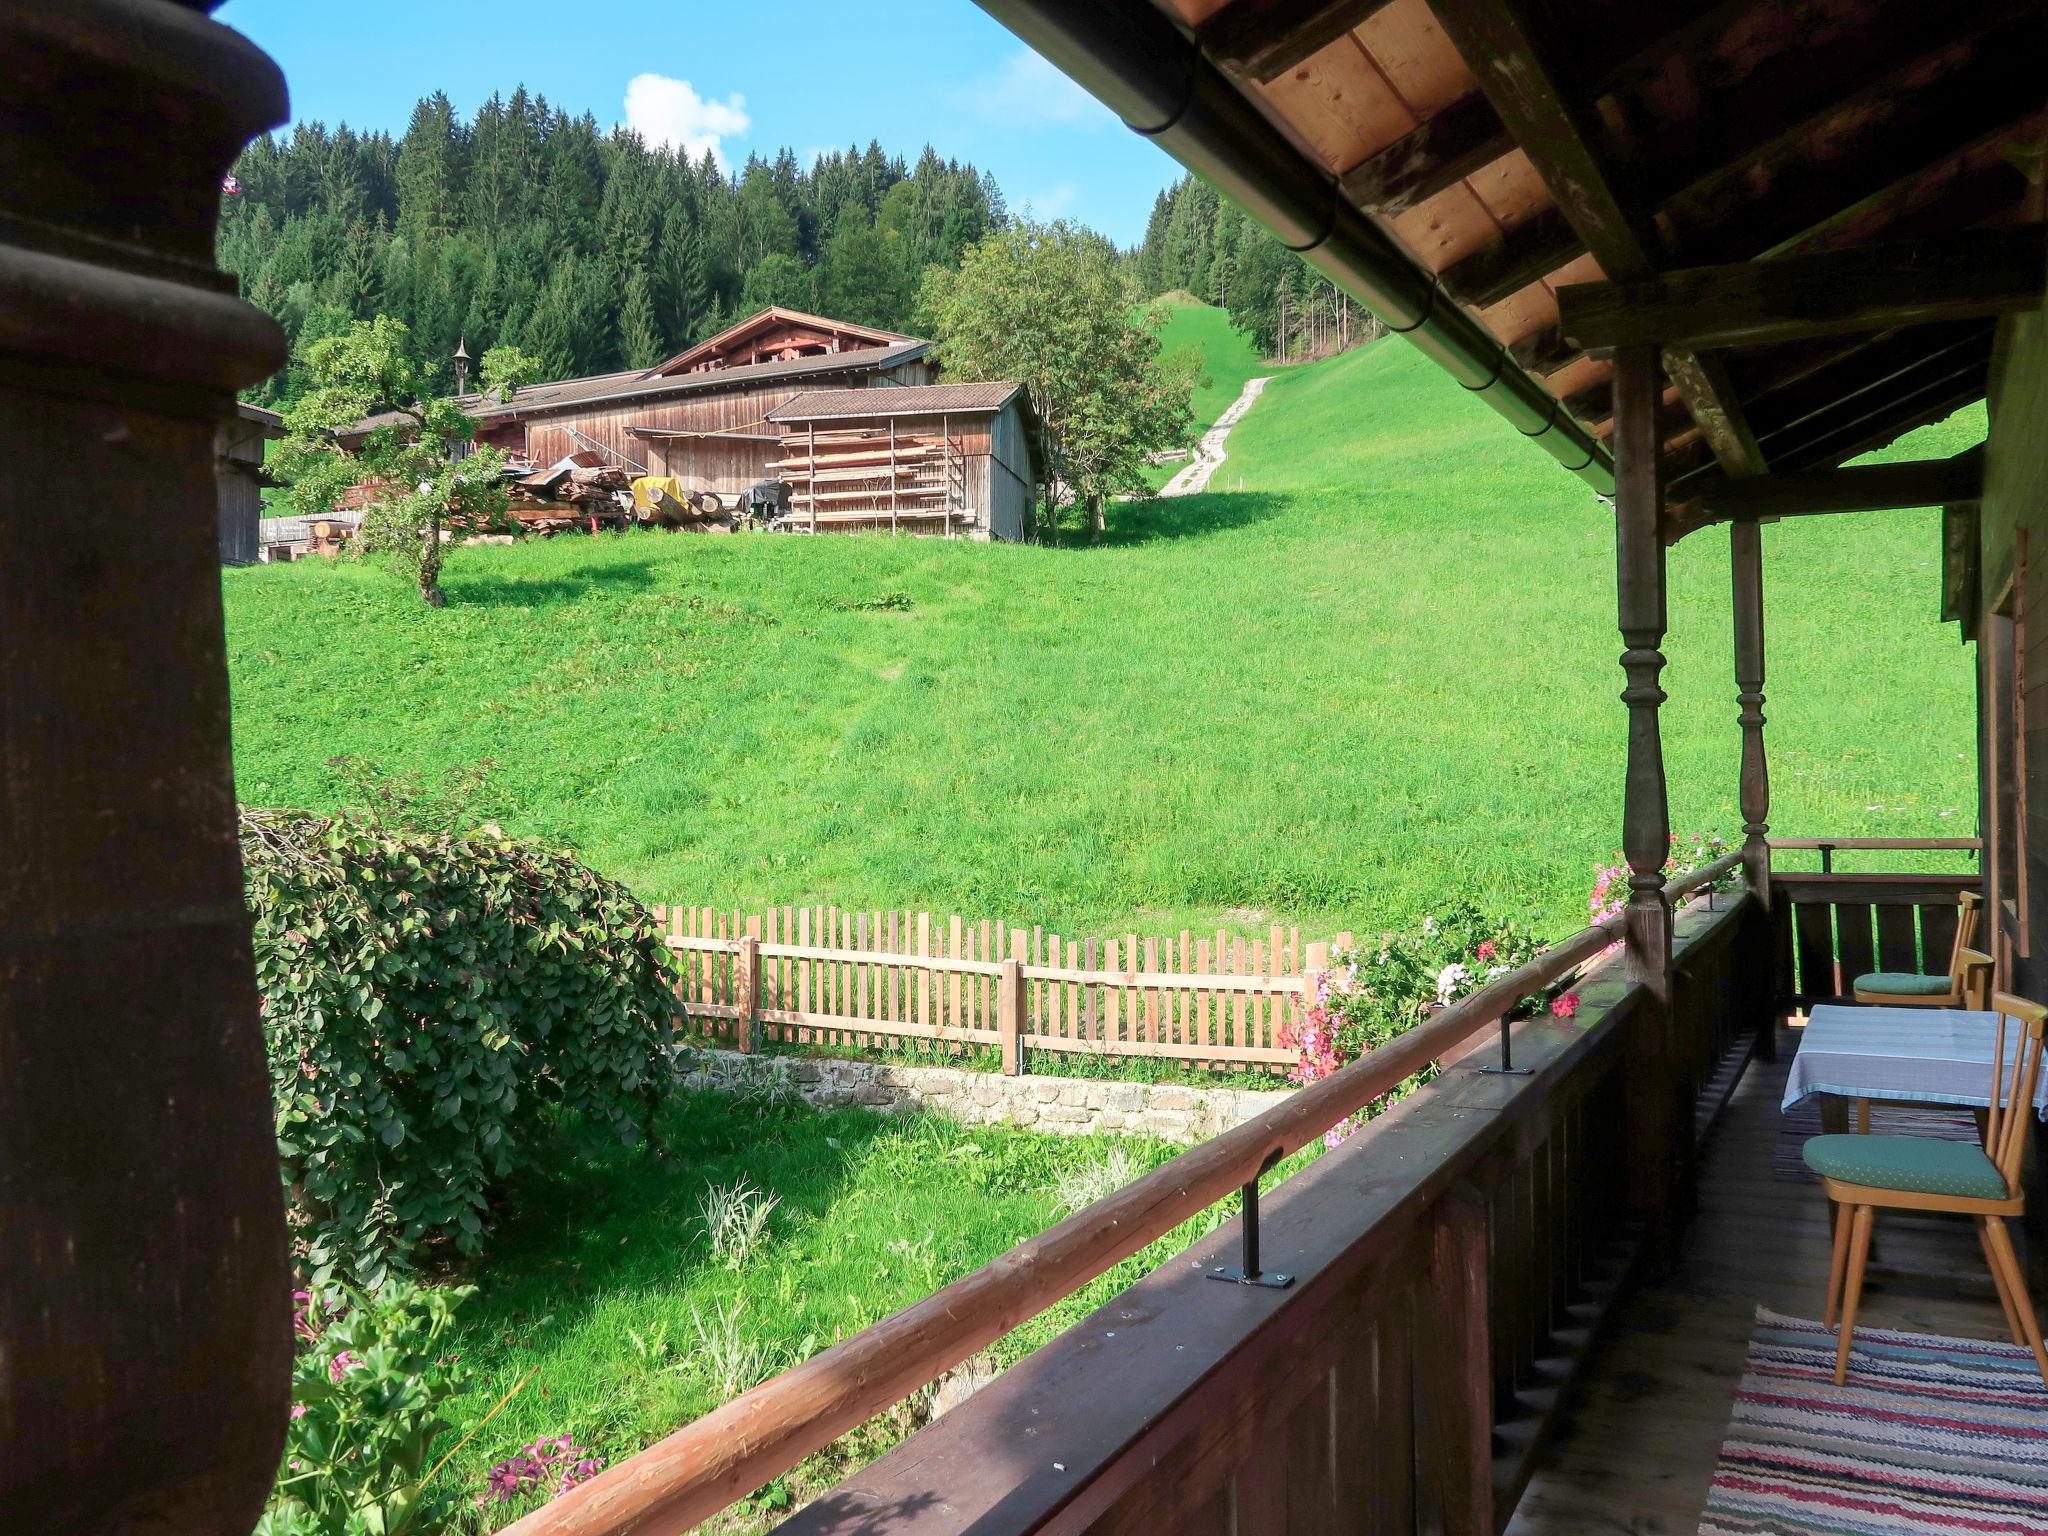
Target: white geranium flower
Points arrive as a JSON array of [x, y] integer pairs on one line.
[[1450, 980]]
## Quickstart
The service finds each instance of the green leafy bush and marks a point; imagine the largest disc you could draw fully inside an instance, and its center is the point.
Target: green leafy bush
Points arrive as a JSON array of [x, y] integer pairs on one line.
[[367, 1390], [433, 1000]]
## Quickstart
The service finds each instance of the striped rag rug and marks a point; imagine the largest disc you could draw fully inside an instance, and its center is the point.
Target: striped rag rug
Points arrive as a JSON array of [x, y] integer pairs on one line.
[[1929, 1434]]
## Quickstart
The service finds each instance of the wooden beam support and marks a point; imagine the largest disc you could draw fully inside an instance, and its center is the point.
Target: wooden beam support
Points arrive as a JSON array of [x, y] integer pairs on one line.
[[1465, 137], [1263, 39], [1509, 51], [1703, 384], [1865, 488], [1969, 274]]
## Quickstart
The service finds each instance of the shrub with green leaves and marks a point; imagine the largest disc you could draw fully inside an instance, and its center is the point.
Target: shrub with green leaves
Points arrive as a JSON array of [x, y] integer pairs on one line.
[[436, 1001], [367, 1388]]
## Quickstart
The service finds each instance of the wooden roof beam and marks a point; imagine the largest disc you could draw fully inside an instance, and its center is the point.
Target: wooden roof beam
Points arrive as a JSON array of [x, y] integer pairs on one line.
[[1911, 404], [1263, 39], [1463, 138], [1510, 53], [1866, 488], [1965, 275]]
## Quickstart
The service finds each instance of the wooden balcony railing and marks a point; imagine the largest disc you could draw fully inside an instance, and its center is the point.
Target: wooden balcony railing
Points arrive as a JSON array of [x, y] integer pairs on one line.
[[1834, 926], [1452, 1261]]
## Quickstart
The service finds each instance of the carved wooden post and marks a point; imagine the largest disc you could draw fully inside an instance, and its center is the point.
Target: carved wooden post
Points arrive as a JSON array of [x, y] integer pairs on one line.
[[145, 1295], [1746, 561], [1656, 1123]]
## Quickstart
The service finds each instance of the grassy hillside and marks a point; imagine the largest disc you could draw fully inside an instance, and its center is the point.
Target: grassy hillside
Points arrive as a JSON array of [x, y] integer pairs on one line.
[[1227, 354], [1382, 675]]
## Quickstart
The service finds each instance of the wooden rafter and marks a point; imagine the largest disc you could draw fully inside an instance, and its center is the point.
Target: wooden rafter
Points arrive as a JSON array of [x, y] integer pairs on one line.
[[1890, 52], [1962, 275], [1435, 155], [1723, 219], [1511, 56], [1263, 39], [1524, 255], [1821, 401]]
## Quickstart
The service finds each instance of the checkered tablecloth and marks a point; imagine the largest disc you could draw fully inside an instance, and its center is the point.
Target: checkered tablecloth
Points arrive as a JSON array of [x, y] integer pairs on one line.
[[1925, 1055]]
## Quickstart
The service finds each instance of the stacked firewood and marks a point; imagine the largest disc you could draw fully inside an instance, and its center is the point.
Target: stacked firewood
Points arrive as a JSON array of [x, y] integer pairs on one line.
[[581, 491]]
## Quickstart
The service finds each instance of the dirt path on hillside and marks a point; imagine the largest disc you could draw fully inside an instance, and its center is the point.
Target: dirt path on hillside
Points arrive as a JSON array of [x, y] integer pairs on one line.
[[1209, 454]]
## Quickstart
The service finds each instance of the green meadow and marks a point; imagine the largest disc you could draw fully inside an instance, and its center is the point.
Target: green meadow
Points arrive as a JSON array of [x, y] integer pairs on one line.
[[1380, 675]]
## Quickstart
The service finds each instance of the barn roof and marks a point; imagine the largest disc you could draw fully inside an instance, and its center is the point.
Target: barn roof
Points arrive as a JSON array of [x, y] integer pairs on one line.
[[909, 400], [771, 318], [1455, 165], [604, 388]]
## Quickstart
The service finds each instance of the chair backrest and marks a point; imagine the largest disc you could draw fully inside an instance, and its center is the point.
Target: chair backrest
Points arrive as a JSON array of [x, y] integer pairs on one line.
[[1973, 978], [1970, 906], [2012, 1092]]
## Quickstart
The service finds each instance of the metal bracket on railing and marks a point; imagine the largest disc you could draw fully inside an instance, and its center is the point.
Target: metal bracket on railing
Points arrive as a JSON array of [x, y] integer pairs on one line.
[[1250, 1273], [1507, 1067]]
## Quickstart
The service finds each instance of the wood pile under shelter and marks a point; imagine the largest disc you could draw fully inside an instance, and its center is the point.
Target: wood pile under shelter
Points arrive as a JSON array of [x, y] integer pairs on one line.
[[951, 459]]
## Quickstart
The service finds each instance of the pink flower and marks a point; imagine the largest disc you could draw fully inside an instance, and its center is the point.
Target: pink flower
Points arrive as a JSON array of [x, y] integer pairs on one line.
[[1564, 1007], [298, 1410], [1487, 950], [341, 1364]]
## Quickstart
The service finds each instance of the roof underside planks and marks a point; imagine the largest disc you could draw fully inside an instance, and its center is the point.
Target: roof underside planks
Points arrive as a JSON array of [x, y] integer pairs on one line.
[[1511, 148]]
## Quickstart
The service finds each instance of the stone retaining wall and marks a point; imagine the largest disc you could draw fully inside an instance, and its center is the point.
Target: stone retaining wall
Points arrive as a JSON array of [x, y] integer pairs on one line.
[[1065, 1105]]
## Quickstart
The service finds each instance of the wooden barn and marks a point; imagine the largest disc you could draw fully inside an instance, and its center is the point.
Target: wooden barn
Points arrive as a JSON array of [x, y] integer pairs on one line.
[[238, 468], [956, 459], [702, 415]]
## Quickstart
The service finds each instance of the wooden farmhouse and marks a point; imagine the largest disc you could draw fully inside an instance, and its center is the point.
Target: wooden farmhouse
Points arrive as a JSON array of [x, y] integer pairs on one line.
[[938, 458], [1705, 258], [701, 416]]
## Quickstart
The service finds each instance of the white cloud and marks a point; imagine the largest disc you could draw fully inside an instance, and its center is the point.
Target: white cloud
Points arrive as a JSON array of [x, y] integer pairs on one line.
[[670, 113], [1030, 92]]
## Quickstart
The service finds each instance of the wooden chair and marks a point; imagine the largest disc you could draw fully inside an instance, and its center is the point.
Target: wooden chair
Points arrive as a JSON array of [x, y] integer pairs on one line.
[[1905, 989], [1973, 974], [1920, 1173]]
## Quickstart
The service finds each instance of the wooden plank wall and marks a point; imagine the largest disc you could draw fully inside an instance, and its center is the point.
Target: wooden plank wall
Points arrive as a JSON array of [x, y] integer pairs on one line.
[[830, 976]]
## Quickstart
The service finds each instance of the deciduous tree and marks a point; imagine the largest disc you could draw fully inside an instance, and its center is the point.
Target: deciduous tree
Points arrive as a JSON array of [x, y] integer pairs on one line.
[[404, 464], [1047, 305]]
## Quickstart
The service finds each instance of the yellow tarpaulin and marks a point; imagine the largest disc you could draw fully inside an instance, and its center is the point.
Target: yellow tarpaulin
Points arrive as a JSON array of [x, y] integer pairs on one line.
[[649, 490]]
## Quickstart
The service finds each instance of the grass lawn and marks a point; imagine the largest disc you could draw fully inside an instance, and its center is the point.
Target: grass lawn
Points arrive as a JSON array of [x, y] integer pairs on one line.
[[1383, 674], [602, 1283]]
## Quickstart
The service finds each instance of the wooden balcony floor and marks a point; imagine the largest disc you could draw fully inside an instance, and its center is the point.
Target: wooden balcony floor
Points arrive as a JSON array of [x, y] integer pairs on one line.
[[1638, 1450]]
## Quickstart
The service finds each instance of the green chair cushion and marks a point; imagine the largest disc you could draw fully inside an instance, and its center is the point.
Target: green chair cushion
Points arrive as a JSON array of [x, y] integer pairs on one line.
[[1918, 1163], [1902, 984]]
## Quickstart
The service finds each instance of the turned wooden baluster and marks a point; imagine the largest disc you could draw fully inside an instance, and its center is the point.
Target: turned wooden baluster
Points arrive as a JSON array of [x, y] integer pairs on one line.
[[145, 1329], [1657, 1149]]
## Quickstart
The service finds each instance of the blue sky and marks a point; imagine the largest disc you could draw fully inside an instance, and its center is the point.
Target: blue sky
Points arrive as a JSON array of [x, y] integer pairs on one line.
[[807, 73]]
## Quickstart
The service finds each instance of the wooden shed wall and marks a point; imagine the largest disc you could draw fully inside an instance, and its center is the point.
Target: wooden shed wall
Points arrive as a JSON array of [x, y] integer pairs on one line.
[[1007, 490], [238, 455]]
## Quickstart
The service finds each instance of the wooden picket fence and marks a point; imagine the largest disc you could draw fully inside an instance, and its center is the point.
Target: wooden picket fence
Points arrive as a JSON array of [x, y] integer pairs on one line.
[[820, 975]]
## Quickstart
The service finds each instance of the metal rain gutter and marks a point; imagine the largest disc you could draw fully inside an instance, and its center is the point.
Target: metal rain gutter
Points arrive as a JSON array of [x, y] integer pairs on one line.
[[1136, 61]]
